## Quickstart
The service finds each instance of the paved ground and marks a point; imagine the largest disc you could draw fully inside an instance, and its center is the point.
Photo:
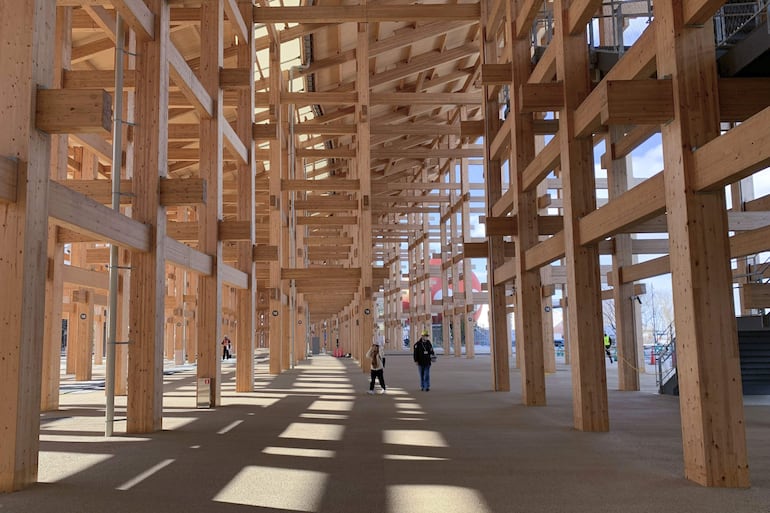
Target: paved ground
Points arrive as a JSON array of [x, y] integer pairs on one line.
[[313, 440]]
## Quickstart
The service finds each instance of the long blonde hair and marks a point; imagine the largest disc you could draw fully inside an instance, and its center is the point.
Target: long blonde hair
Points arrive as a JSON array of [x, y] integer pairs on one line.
[[376, 351]]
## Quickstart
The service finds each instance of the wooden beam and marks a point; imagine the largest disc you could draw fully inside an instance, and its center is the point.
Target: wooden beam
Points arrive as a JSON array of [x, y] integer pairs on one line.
[[138, 17], [188, 83], [366, 13], [79, 213], [541, 97], [64, 111], [85, 278], [755, 295], [236, 20], [189, 258], [749, 145], [331, 184], [496, 74]]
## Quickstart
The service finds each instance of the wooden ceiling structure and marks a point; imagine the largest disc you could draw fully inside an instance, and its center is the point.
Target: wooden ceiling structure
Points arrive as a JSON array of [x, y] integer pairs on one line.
[[280, 165]]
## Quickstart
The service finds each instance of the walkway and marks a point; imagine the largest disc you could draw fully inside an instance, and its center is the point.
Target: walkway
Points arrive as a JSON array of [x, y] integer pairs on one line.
[[312, 440]]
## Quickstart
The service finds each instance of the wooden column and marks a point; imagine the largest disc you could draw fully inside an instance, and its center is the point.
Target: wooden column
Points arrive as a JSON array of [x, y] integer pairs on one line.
[[467, 314], [622, 293], [276, 220], [244, 344], [365, 335], [529, 297], [26, 58], [589, 381], [51, 372], [210, 287], [498, 323], [145, 352], [711, 400]]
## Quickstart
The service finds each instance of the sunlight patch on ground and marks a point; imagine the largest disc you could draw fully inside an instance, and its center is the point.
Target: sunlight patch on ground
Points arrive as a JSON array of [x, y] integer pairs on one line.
[[298, 451], [312, 431], [332, 405], [328, 416], [279, 488], [409, 406], [417, 437], [145, 475], [411, 457], [56, 466], [432, 498]]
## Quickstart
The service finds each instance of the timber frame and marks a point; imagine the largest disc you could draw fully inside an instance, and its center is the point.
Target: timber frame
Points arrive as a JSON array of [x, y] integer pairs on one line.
[[276, 203]]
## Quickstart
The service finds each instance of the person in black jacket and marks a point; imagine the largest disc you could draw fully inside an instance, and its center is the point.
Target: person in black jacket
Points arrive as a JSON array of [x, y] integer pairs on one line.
[[423, 357]]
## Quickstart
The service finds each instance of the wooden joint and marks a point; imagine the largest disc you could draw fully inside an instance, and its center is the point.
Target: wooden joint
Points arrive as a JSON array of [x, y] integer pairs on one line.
[[73, 111]]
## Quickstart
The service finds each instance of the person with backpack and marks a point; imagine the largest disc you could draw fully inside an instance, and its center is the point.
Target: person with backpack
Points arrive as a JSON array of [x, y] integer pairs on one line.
[[377, 367], [607, 345], [423, 357]]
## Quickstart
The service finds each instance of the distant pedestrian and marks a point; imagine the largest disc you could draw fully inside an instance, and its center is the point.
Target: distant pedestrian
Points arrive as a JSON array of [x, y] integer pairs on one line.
[[377, 367], [226, 347], [607, 345], [423, 357]]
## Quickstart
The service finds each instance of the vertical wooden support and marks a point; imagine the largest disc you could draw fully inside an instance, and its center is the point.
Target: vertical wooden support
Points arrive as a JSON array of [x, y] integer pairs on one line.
[[211, 156], [365, 335], [740, 193], [26, 58], [622, 293], [711, 401], [276, 221], [51, 375], [498, 322], [121, 351], [145, 369], [467, 271], [529, 301], [589, 381], [244, 344]]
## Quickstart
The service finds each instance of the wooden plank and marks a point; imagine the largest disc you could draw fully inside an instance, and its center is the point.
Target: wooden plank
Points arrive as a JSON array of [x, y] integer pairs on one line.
[[698, 12], [63, 111], [234, 277], [79, 213], [237, 21], [334, 184], [8, 180], [496, 74], [367, 13], [188, 83], [85, 278], [265, 253], [755, 295], [543, 163], [741, 98], [749, 145], [643, 202], [540, 97], [425, 98], [233, 143], [188, 258], [138, 16]]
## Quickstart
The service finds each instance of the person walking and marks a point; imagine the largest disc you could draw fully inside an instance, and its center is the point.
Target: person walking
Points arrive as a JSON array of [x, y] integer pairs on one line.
[[377, 368], [607, 345], [423, 357], [226, 348]]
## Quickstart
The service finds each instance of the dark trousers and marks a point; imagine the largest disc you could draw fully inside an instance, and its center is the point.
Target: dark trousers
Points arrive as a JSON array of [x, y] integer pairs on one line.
[[377, 374]]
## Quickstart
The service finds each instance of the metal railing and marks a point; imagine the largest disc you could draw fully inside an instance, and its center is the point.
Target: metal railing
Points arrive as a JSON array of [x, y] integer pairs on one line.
[[734, 20], [665, 356]]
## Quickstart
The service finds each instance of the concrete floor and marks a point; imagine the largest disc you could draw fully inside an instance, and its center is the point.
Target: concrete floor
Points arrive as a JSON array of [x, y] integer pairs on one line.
[[312, 440]]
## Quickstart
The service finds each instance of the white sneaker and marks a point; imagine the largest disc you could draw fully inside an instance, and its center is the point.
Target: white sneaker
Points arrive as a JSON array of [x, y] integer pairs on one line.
[[383, 391], [370, 392]]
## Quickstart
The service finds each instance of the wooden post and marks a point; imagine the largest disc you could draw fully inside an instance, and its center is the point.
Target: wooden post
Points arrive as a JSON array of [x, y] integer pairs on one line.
[[529, 297], [211, 156], [244, 344], [26, 59], [711, 400], [622, 293], [498, 323], [54, 284], [589, 381], [276, 222], [145, 370]]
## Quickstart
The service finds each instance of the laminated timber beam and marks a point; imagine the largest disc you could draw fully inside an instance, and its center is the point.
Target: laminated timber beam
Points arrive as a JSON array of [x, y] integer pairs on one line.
[[187, 81], [366, 13], [173, 191], [137, 15], [76, 212], [65, 111]]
